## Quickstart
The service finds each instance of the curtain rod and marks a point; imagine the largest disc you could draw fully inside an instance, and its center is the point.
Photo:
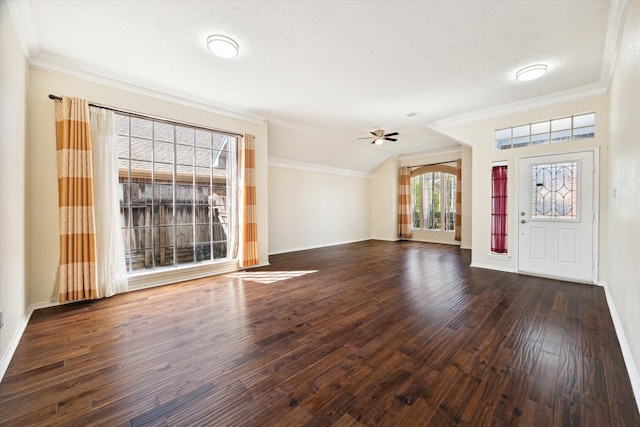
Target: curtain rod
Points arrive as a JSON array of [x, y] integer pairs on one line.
[[434, 164], [147, 116]]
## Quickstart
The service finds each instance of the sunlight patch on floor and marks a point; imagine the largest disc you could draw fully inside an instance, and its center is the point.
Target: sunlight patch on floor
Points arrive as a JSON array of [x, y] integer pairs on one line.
[[267, 277]]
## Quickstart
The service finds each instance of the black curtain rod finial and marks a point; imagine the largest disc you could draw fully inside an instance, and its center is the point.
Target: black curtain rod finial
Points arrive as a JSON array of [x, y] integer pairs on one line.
[[55, 97]]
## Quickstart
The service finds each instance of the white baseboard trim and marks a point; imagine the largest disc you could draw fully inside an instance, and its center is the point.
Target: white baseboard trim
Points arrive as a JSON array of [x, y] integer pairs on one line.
[[493, 267], [306, 248], [632, 370], [465, 247], [385, 240], [13, 345]]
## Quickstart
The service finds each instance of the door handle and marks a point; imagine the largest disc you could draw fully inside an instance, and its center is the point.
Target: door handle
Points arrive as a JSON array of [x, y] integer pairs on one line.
[[522, 221]]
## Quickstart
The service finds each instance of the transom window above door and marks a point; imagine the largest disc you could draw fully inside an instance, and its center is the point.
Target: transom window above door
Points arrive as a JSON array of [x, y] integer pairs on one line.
[[570, 128]]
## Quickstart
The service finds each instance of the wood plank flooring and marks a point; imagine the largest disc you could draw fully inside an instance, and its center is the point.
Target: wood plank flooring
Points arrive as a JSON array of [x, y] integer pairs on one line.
[[371, 333]]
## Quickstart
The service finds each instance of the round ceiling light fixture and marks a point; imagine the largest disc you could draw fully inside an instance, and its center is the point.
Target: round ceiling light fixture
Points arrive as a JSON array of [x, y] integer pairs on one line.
[[378, 141], [222, 46], [531, 72]]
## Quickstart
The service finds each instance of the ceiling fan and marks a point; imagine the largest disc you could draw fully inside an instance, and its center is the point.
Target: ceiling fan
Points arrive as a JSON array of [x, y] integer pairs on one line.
[[379, 136]]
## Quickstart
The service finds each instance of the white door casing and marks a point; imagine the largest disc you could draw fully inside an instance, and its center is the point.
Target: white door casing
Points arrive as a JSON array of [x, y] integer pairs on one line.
[[557, 216]]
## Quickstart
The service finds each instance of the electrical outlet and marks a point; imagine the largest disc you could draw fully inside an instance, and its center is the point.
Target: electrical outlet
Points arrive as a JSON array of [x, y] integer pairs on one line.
[[1, 319]]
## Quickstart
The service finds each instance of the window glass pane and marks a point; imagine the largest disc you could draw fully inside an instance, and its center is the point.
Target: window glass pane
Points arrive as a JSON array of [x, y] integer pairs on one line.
[[203, 138], [450, 202], [163, 257], [162, 196], [584, 120], [554, 190], [140, 169], [121, 124], [123, 148], [165, 173], [503, 144], [563, 135], [542, 138], [203, 157], [184, 155], [588, 132], [563, 129], [503, 134], [163, 132], [432, 202], [186, 254], [521, 142], [416, 200], [163, 152], [520, 131], [141, 149], [499, 209], [540, 127], [561, 124], [185, 136], [141, 128]]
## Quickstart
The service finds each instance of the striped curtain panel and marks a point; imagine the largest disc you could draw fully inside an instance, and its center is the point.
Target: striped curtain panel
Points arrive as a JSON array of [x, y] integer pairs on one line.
[[458, 227], [404, 203], [77, 278], [249, 229]]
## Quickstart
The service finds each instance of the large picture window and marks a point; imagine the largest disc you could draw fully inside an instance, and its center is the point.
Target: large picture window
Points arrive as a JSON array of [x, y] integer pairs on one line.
[[177, 193], [434, 201]]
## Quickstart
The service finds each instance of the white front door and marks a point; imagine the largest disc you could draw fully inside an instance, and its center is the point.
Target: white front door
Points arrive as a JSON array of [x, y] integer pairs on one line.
[[557, 216]]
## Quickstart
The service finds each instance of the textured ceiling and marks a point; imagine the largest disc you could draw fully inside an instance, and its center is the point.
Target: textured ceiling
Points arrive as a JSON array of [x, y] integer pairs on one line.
[[339, 68]]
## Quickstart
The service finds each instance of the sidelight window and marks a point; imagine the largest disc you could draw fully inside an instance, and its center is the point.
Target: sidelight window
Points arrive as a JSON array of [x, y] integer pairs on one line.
[[499, 208]]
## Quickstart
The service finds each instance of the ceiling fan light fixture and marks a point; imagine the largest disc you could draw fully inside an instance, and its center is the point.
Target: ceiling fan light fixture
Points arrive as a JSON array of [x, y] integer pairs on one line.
[[222, 46], [531, 72], [378, 141]]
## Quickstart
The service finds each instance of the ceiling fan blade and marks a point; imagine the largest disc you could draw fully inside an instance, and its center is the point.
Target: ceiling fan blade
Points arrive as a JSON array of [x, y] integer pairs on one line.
[[391, 139], [373, 142], [373, 133], [366, 137], [392, 134]]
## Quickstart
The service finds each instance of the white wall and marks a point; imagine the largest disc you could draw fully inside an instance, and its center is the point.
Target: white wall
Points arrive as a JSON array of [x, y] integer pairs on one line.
[[287, 141], [309, 209], [14, 292], [384, 201], [42, 198], [624, 177], [441, 156], [480, 135]]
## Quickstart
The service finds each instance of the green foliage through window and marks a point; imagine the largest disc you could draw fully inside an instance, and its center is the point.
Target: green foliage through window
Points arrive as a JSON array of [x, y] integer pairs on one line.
[[433, 201]]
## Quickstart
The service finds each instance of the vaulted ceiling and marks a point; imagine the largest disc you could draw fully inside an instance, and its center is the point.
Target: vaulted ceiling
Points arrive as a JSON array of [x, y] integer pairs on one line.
[[336, 68]]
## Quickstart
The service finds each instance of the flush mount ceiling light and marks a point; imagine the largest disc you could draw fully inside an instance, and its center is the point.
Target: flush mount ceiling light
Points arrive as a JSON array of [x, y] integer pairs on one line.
[[531, 72], [222, 46]]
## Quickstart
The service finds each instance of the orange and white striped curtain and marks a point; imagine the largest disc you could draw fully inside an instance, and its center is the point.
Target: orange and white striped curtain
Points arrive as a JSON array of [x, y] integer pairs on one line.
[[77, 278], [249, 229], [404, 203], [458, 227]]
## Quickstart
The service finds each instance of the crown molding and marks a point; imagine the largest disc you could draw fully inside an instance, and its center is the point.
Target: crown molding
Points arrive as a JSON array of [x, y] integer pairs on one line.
[[310, 167], [576, 94], [20, 12], [615, 26], [431, 153], [55, 64], [23, 20]]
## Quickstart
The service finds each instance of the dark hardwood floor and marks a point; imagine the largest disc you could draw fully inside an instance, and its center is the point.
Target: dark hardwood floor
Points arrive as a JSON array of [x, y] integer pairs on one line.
[[371, 333]]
